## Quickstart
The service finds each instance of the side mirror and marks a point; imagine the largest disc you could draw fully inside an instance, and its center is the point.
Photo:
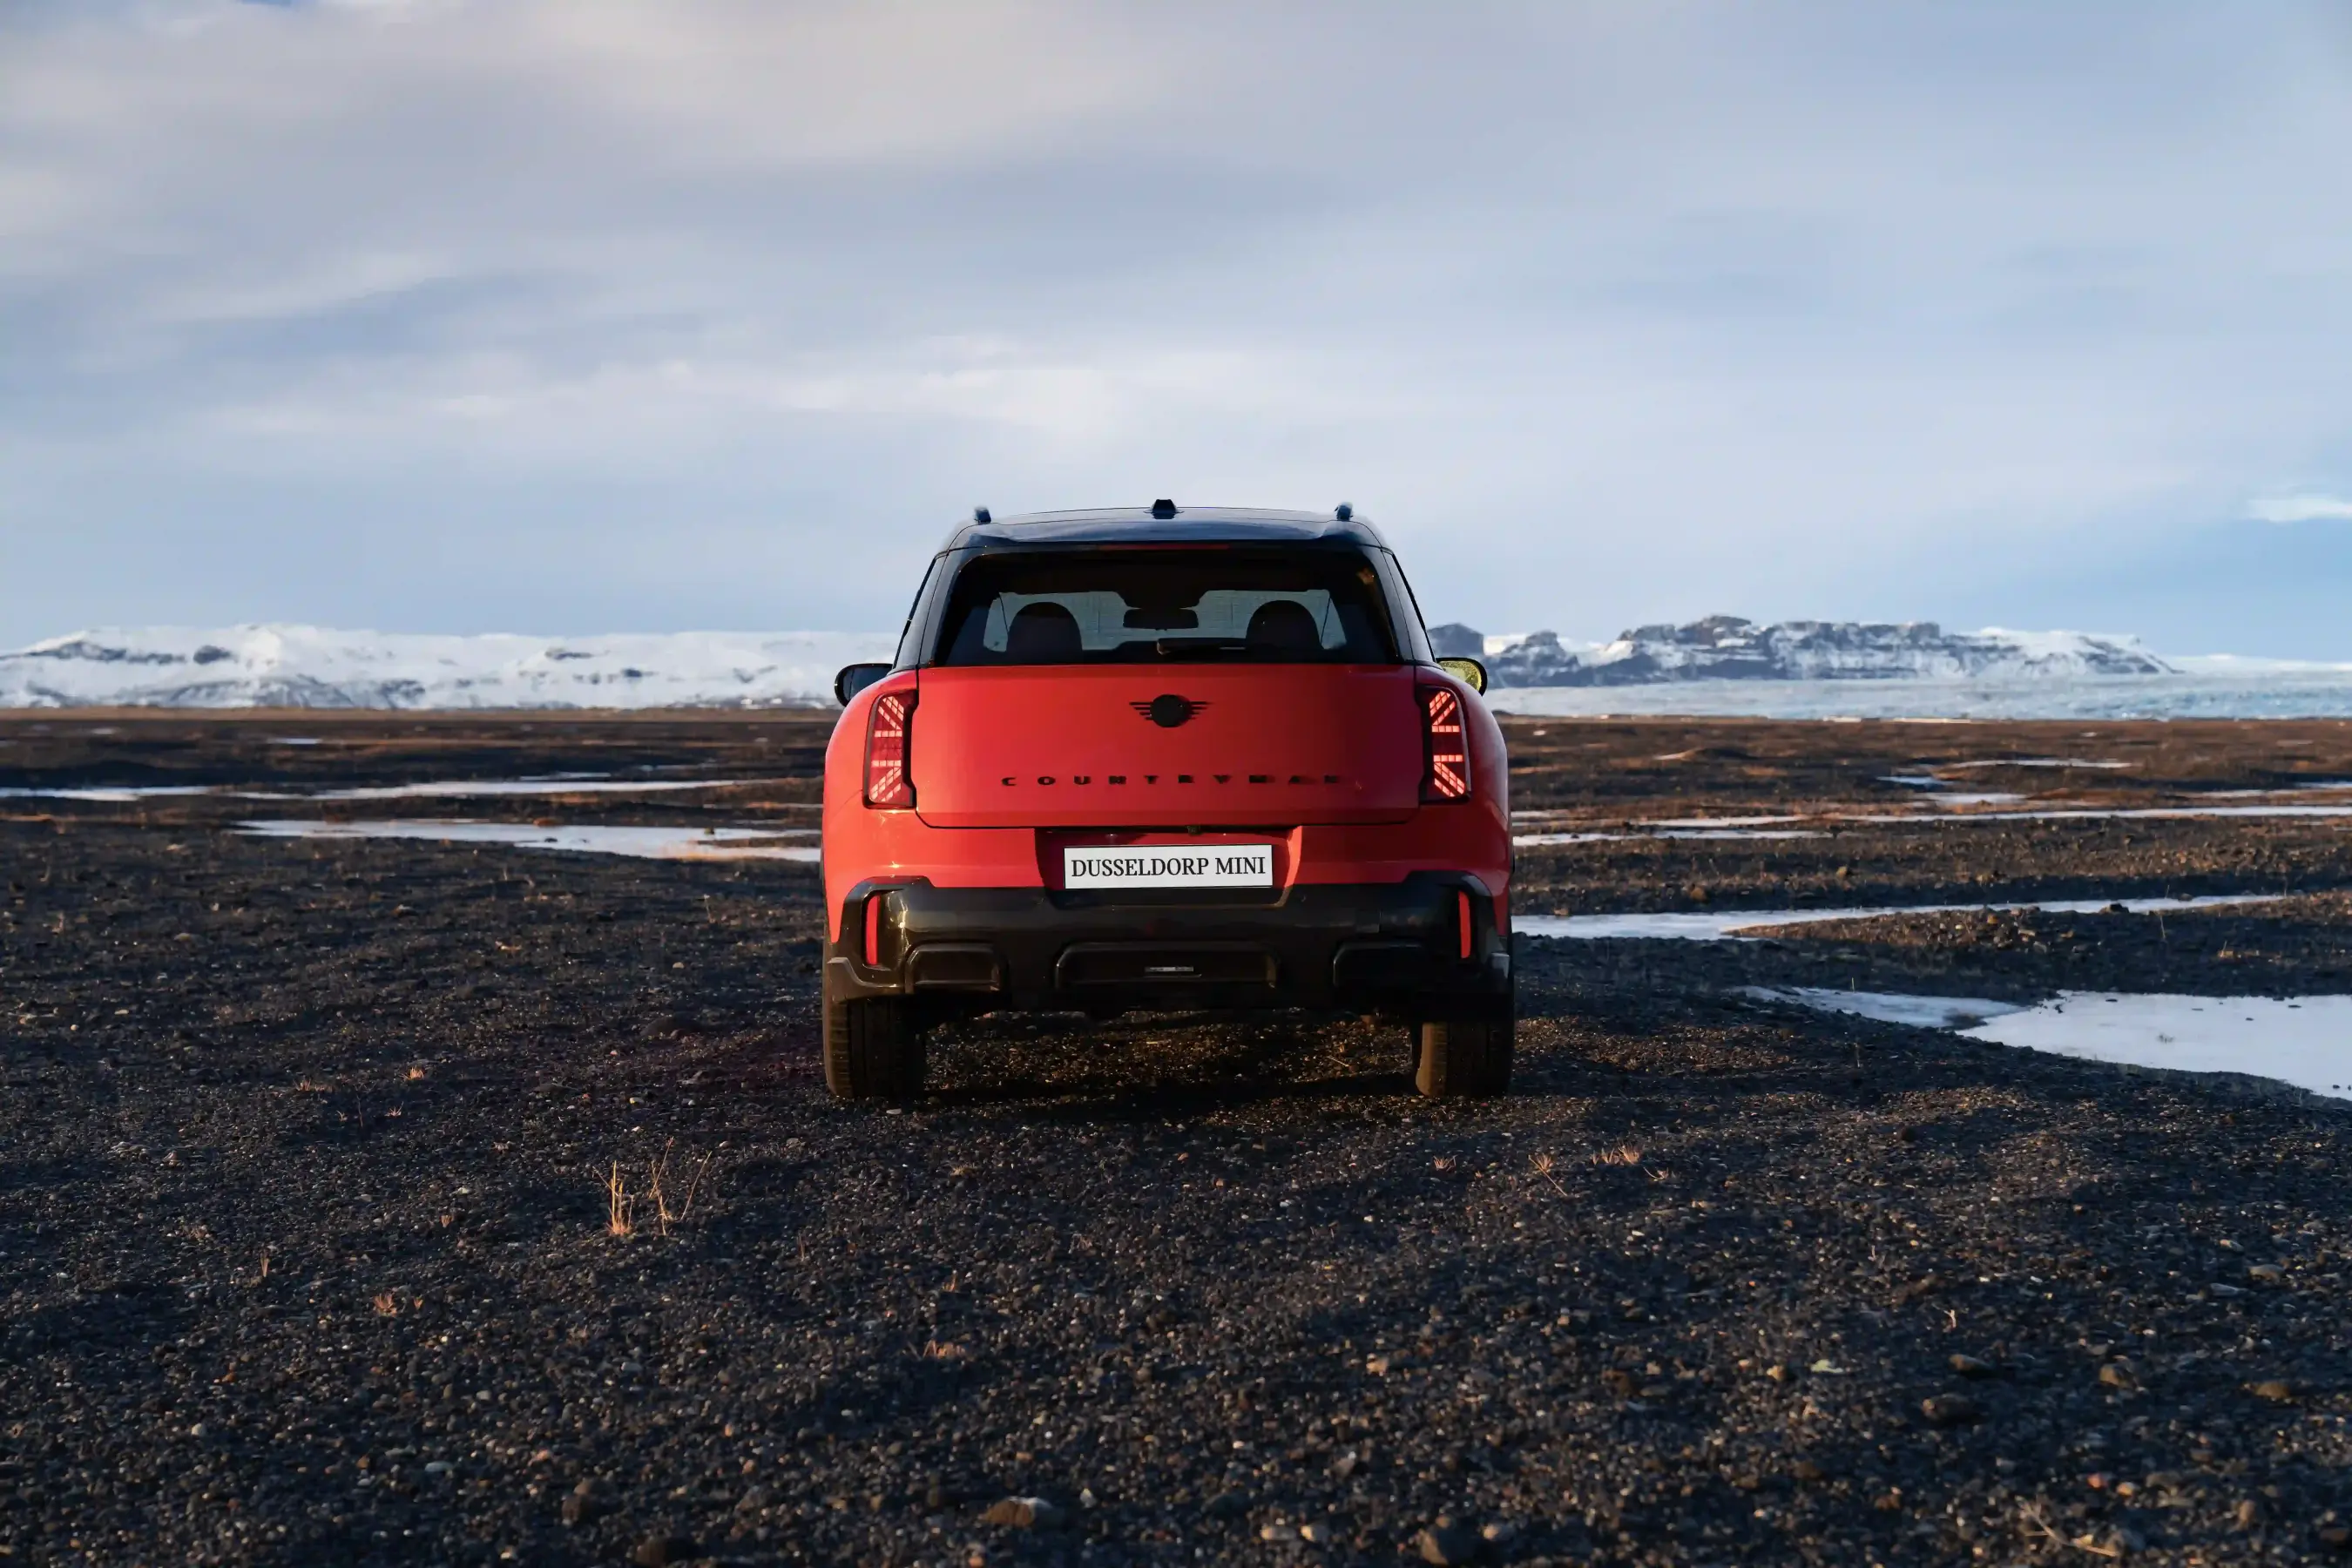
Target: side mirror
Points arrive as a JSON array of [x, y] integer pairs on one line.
[[855, 678], [1469, 671]]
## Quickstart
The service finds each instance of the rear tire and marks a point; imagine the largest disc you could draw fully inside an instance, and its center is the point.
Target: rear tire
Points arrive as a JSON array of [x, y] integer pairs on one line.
[[874, 1049], [1465, 1057]]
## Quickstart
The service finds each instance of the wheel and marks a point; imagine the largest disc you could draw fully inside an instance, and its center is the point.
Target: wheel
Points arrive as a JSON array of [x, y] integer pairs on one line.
[[873, 1049], [1465, 1057]]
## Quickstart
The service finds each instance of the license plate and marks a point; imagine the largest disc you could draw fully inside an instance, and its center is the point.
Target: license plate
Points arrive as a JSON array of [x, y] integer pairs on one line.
[[1211, 866]]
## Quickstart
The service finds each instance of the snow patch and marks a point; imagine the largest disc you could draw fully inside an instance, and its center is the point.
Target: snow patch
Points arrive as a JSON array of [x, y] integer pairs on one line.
[[2297, 1040]]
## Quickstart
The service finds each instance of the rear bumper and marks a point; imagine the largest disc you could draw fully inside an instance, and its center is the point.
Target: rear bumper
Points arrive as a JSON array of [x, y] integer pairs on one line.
[[1395, 947]]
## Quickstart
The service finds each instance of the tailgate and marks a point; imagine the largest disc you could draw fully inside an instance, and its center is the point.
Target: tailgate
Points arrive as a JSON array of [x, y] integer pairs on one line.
[[1058, 746]]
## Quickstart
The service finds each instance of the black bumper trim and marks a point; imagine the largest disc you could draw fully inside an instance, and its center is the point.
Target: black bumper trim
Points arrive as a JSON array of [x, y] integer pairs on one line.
[[1393, 946]]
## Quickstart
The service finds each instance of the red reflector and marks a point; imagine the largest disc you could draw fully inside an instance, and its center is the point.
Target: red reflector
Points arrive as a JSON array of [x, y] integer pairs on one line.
[[1448, 776], [874, 931], [1461, 915], [888, 733]]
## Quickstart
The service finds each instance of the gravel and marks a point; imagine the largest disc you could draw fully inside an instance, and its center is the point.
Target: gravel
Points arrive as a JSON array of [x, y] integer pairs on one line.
[[309, 1253]]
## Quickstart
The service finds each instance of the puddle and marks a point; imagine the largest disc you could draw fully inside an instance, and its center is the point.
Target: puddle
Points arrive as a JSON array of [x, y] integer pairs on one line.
[[1725, 827], [116, 794], [1731, 925], [1739, 833], [1533, 840], [1749, 821], [460, 789], [1954, 799], [642, 843], [2063, 814], [2289, 791], [1939, 792], [1935, 790], [2304, 1041], [2029, 762], [1886, 1008], [1952, 802], [294, 740]]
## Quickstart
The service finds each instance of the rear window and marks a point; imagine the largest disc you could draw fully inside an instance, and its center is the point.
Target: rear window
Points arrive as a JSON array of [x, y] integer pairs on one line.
[[1146, 605]]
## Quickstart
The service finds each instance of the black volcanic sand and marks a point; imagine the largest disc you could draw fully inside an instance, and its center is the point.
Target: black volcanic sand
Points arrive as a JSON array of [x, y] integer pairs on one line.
[[306, 1235]]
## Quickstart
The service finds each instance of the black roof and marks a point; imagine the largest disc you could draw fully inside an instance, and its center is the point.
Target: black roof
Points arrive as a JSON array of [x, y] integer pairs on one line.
[[1136, 525]]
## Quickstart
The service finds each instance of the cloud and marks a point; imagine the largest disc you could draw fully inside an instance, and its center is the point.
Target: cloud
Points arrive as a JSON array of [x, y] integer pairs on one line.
[[2301, 508], [1609, 313]]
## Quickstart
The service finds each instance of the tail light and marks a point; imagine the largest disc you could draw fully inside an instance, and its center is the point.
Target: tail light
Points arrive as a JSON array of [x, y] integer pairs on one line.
[[874, 903], [1462, 920], [889, 731], [1447, 776]]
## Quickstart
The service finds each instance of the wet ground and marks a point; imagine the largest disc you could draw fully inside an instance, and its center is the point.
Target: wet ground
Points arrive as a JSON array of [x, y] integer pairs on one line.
[[469, 1200]]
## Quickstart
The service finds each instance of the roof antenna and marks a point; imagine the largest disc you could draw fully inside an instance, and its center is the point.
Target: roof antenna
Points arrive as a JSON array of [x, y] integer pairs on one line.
[[979, 514], [1163, 508], [1344, 512]]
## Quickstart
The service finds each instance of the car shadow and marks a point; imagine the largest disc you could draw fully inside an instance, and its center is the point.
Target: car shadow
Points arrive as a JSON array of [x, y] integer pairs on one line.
[[1158, 1096]]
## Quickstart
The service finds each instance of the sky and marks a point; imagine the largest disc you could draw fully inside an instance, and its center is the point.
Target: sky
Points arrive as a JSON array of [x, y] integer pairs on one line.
[[581, 316]]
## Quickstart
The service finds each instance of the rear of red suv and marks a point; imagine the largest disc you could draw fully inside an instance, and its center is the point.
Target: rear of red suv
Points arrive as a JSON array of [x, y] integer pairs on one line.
[[1171, 760]]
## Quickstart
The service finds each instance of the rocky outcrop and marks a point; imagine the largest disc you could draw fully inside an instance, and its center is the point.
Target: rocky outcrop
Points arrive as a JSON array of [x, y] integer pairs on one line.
[[1726, 648]]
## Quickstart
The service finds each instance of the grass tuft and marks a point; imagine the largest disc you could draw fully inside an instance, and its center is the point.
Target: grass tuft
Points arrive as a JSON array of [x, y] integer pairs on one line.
[[664, 1213], [620, 1205], [670, 1205]]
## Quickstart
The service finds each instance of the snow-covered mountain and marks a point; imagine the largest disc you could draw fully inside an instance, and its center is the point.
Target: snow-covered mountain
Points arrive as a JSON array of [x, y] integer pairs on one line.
[[1725, 647], [313, 666]]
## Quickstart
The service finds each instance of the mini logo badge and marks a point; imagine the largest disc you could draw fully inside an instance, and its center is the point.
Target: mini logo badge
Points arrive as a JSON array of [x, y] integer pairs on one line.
[[1168, 709]]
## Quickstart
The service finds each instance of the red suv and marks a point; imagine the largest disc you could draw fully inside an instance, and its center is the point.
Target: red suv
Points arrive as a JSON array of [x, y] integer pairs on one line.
[[1156, 758]]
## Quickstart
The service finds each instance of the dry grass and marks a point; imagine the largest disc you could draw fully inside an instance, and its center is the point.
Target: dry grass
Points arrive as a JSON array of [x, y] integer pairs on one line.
[[661, 1199], [1623, 1154], [620, 1205], [670, 1205], [1544, 1166]]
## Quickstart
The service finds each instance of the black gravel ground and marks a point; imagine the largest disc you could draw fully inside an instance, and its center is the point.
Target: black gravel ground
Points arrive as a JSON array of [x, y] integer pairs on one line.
[[308, 1236]]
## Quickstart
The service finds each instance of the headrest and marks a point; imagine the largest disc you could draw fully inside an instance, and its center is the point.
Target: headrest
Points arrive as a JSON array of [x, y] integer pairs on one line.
[[1044, 633], [1283, 627]]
